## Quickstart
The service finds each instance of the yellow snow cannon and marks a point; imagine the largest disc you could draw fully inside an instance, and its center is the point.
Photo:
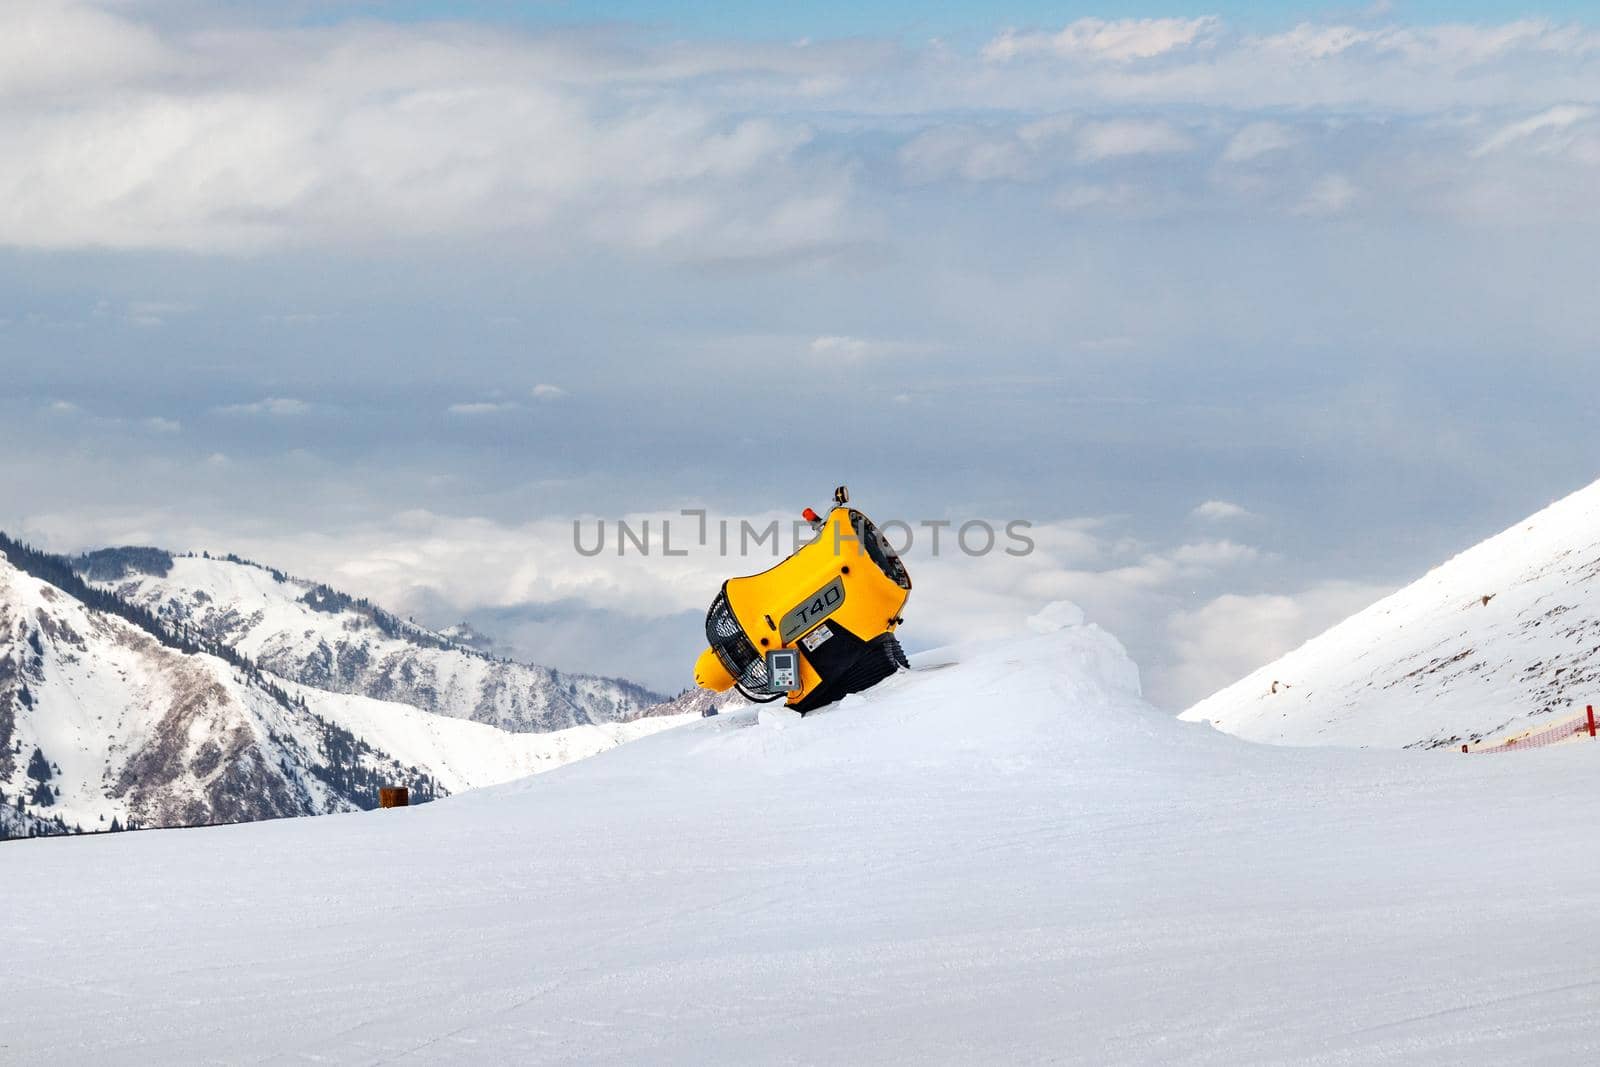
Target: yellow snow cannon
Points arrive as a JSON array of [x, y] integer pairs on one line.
[[817, 626]]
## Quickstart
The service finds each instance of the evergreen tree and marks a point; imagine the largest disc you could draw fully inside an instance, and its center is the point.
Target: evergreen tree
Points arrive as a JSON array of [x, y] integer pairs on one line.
[[38, 766]]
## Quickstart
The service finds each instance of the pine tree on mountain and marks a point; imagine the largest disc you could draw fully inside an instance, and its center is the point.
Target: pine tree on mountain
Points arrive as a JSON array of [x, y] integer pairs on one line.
[[38, 766], [42, 796]]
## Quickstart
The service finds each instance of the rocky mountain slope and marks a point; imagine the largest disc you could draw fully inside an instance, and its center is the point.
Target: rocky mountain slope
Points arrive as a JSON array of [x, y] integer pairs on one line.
[[320, 637], [103, 721], [111, 717], [1502, 638]]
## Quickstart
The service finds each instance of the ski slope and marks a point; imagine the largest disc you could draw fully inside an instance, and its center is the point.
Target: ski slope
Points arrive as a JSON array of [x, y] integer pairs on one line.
[[1004, 856], [1502, 639]]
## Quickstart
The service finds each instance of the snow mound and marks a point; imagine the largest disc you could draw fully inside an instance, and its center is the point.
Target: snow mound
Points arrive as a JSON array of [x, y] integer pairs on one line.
[[1063, 692], [1057, 615]]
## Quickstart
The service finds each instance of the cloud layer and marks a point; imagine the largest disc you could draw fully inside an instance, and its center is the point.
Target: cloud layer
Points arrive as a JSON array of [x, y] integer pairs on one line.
[[390, 302], [123, 135]]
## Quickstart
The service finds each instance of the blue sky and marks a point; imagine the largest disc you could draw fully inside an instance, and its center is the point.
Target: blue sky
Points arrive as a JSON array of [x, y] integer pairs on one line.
[[1256, 313]]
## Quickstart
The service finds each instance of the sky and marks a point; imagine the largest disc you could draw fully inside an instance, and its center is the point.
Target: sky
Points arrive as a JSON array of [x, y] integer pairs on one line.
[[1253, 311]]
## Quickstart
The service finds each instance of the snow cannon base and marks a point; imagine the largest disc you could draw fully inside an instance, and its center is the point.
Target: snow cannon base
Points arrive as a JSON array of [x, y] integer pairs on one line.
[[871, 663]]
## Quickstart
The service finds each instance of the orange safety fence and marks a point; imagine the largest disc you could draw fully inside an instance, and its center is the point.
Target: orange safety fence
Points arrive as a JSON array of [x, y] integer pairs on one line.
[[1550, 735]]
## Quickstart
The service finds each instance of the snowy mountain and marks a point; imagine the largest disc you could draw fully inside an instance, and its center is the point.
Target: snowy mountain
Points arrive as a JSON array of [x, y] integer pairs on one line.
[[699, 702], [328, 640], [1004, 856], [1503, 638], [110, 718], [102, 721]]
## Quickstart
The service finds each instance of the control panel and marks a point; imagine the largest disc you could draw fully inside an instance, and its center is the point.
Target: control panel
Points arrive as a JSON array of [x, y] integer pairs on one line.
[[783, 670]]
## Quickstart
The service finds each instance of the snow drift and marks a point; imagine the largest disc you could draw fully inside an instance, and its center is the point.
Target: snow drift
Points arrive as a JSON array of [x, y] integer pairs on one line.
[[1004, 855]]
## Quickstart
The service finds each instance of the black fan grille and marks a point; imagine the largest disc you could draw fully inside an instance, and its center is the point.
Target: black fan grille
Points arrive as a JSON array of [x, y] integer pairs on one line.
[[733, 648]]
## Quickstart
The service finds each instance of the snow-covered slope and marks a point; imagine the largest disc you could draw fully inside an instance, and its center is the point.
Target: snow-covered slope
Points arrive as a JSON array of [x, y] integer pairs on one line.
[[1008, 858], [458, 754], [322, 638], [103, 723], [1502, 638]]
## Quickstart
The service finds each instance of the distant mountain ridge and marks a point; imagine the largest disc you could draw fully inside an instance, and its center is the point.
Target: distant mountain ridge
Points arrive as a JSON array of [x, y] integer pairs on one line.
[[116, 713], [311, 633], [1502, 638], [102, 710]]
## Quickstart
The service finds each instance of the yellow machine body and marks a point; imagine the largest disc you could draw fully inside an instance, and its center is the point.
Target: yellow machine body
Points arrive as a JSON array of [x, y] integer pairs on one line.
[[834, 601]]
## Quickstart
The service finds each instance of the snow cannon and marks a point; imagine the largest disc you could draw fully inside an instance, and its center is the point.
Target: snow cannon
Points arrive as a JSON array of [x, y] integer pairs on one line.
[[816, 627]]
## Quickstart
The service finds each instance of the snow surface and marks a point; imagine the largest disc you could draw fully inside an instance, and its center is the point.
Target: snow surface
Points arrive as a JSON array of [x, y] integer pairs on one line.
[[459, 754], [1004, 856], [1438, 664]]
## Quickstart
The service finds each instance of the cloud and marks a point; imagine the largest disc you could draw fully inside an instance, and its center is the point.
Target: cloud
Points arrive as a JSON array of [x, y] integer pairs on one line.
[[230, 139], [272, 406], [239, 139], [162, 425], [1112, 343], [482, 407], [1561, 117], [1018, 151], [1214, 555], [298, 318], [1446, 45], [1130, 137], [1115, 41], [1258, 139], [1119, 198], [852, 349], [544, 391], [963, 152], [50, 46], [1220, 511], [841, 347], [1232, 635], [1329, 195], [155, 312], [1309, 41]]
